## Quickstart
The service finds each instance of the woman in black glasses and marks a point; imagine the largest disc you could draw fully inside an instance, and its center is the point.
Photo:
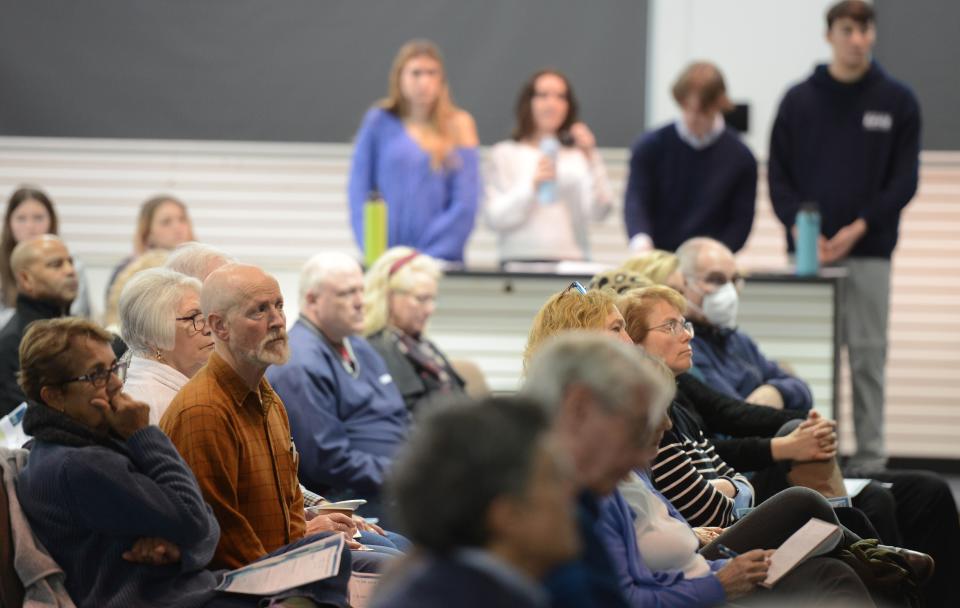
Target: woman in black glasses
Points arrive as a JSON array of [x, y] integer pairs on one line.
[[161, 323], [107, 493]]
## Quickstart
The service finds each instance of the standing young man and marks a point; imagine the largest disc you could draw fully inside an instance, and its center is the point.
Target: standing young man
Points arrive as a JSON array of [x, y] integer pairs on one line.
[[692, 177], [848, 139]]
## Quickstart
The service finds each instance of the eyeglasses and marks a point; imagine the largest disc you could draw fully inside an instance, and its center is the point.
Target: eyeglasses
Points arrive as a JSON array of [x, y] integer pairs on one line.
[[576, 286], [198, 320], [99, 379], [674, 327]]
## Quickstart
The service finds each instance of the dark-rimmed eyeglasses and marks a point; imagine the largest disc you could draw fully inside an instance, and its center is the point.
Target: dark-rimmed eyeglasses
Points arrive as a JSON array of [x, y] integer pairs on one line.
[[198, 320], [674, 327], [99, 379]]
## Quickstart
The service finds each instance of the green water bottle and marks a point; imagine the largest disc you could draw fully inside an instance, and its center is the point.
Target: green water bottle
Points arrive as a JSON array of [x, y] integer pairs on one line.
[[374, 228]]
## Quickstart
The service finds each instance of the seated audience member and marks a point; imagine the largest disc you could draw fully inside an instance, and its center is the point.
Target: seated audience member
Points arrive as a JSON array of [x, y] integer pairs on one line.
[[688, 460], [619, 280], [46, 285], [598, 392], [164, 328], [654, 550], [548, 181], [170, 341], [726, 358], [491, 541], [108, 494], [232, 429], [399, 297], [420, 152], [735, 367], [657, 266], [162, 223], [654, 319], [197, 260], [694, 176], [30, 213], [348, 417]]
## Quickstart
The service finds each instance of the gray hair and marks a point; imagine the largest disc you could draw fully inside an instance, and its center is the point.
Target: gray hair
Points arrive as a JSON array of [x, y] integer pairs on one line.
[[689, 253], [321, 266], [197, 259], [492, 443], [613, 372], [148, 306]]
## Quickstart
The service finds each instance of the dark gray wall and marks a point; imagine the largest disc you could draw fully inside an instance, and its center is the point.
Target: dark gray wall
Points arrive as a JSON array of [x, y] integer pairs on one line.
[[919, 43], [301, 70]]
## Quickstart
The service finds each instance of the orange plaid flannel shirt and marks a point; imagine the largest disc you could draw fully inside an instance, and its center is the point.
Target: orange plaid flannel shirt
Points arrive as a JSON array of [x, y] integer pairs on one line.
[[237, 442]]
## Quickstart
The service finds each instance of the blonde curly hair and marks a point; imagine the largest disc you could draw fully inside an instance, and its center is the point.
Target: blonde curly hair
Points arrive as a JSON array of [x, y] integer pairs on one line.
[[567, 310]]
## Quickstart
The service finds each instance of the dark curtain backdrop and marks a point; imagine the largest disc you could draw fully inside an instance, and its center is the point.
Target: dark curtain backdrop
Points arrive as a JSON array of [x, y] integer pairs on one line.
[[919, 43], [301, 70]]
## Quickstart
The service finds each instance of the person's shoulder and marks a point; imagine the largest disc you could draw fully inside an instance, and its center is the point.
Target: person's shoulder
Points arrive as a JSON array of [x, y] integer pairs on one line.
[[506, 147], [463, 128], [894, 87], [735, 144], [200, 397], [654, 141]]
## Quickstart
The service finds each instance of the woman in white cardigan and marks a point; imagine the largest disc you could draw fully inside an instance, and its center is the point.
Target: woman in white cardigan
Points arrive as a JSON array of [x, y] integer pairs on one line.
[[547, 183], [161, 322]]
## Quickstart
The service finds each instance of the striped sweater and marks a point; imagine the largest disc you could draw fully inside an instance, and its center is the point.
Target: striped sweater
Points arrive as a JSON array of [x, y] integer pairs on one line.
[[683, 468]]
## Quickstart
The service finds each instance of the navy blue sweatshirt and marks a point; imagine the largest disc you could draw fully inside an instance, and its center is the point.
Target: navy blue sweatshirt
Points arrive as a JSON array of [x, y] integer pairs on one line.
[[853, 148], [676, 192]]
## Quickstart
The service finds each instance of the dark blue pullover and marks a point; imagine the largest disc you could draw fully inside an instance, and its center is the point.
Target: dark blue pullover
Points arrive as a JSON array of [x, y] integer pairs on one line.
[[852, 148], [675, 192]]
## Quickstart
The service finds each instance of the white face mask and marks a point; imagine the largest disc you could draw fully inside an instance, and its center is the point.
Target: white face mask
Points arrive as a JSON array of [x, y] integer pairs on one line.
[[720, 307]]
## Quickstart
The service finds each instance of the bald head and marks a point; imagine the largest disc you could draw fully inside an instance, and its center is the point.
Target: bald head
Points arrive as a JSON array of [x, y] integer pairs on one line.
[[243, 306], [29, 251], [197, 260], [227, 287], [44, 269], [699, 254]]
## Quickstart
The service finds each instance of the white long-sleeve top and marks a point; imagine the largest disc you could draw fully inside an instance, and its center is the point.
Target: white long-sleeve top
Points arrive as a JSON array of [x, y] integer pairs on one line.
[[530, 230], [154, 383], [664, 542]]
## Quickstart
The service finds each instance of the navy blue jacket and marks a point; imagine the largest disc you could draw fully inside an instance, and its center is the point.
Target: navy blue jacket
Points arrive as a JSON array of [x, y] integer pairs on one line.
[[852, 148], [442, 583], [590, 581], [676, 192], [88, 505], [346, 428], [730, 363]]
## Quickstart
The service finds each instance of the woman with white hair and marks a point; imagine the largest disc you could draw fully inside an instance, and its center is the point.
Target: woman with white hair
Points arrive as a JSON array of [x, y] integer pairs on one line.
[[162, 324], [399, 297]]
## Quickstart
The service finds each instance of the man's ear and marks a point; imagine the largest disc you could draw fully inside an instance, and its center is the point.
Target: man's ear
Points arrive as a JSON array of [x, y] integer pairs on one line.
[[52, 396], [24, 280], [577, 402], [501, 517], [218, 326]]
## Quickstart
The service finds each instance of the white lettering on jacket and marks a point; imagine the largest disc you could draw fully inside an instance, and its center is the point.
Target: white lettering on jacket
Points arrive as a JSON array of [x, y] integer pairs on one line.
[[877, 121]]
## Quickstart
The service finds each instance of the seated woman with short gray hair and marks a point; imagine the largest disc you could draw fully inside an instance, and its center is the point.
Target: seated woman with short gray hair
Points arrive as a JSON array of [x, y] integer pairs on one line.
[[161, 322]]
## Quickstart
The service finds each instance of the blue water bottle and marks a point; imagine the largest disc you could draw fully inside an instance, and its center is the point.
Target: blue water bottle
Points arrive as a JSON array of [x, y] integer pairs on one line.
[[808, 233], [547, 191]]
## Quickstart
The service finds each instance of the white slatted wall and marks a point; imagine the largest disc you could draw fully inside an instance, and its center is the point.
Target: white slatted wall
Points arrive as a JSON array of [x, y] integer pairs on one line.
[[276, 204]]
